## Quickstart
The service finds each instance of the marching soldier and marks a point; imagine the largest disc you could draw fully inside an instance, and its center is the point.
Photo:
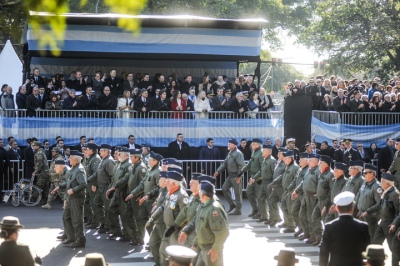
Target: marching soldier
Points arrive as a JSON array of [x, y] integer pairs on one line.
[[355, 180], [91, 166], [233, 163], [73, 212], [265, 175], [54, 178], [62, 171], [41, 169], [102, 178], [368, 198], [254, 166], [284, 181], [395, 166], [336, 185]]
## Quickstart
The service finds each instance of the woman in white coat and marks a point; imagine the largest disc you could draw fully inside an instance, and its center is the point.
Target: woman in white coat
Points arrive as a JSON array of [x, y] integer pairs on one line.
[[202, 106], [125, 105]]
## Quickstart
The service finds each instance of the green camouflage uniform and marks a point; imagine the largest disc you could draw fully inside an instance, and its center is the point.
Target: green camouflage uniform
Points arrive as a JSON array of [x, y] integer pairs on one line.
[[41, 171]]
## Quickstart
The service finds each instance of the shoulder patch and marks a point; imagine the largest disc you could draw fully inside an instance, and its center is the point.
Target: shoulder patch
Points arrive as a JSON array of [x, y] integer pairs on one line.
[[186, 200], [130, 169], [215, 213], [379, 190], [143, 170]]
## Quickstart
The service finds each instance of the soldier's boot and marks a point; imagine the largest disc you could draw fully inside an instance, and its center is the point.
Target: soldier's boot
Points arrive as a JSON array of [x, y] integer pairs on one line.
[[46, 206]]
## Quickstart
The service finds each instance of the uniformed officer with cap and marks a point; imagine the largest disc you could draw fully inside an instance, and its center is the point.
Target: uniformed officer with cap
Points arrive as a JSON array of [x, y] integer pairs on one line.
[[254, 166], [212, 228], [41, 169], [180, 256], [148, 183], [167, 163], [73, 212], [389, 207], [286, 257], [291, 145], [355, 180], [395, 166], [233, 163], [265, 176], [336, 185], [345, 238], [309, 189], [350, 154], [102, 178], [368, 197], [91, 166]]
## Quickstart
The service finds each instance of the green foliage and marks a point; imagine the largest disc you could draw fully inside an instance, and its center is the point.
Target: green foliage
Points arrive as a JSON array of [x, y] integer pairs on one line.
[[12, 21]]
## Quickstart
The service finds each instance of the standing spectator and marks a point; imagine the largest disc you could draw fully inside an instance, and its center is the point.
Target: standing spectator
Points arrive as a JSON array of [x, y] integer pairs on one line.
[[143, 103], [29, 159], [317, 93], [43, 98], [88, 101], [245, 149], [125, 104], [254, 105], [236, 86], [326, 103], [179, 149], [7, 102], [249, 85], [238, 106], [188, 84], [54, 103], [15, 155], [277, 145], [341, 103], [79, 83], [131, 143], [211, 153], [265, 101], [107, 101], [364, 156], [64, 90], [129, 83], [387, 105], [374, 88], [114, 83], [4, 164], [202, 106], [205, 84], [33, 103], [82, 143], [219, 84], [174, 86], [160, 83], [178, 105], [71, 103], [219, 102], [97, 83], [35, 81], [373, 151], [162, 103], [145, 83], [21, 97], [385, 156]]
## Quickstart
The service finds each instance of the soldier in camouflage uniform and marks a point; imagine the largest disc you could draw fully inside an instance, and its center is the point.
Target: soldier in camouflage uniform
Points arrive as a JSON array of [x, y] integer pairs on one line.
[[136, 174], [233, 163], [254, 165], [284, 181], [41, 169], [395, 166], [336, 185], [54, 179], [118, 189], [367, 198], [212, 228], [355, 180], [91, 165], [145, 154]]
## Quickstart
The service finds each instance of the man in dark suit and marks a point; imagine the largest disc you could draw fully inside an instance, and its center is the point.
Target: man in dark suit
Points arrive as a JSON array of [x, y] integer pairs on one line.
[[29, 159], [385, 156], [131, 143], [82, 142], [209, 152], [278, 144], [238, 106], [338, 155], [78, 84], [179, 149], [35, 81], [143, 102], [265, 100], [43, 97], [88, 101], [4, 165], [33, 103], [341, 103], [129, 84], [345, 238], [15, 155], [114, 83]]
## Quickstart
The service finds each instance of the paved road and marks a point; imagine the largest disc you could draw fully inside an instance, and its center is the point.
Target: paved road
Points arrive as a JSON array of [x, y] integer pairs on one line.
[[249, 243]]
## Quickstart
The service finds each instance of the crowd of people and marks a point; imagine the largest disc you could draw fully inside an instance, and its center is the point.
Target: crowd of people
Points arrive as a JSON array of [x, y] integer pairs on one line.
[[129, 92]]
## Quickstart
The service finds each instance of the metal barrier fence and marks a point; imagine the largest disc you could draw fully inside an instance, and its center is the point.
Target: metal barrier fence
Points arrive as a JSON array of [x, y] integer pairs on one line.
[[351, 118], [136, 114]]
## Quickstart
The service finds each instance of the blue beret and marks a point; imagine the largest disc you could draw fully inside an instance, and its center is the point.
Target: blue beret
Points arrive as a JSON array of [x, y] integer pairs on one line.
[[304, 155], [341, 166], [105, 146], [326, 159], [356, 163], [208, 178], [288, 154], [76, 153], [117, 148], [124, 149], [163, 174], [389, 177], [257, 141], [59, 162], [233, 141], [135, 152], [175, 169], [172, 161], [312, 155], [195, 176], [280, 149], [207, 187], [92, 146], [174, 175], [156, 156], [371, 167], [265, 146]]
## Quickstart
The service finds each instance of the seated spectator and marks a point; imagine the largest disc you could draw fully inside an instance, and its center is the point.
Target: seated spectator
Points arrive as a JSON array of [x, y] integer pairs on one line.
[[143, 102], [265, 100], [219, 84], [387, 105], [202, 106], [326, 103], [125, 105], [205, 84], [178, 105], [254, 105], [162, 103], [135, 93], [107, 101], [21, 97], [88, 101], [54, 103], [71, 102]]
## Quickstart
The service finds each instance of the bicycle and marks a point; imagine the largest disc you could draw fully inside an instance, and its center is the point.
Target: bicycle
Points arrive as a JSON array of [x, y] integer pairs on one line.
[[24, 191]]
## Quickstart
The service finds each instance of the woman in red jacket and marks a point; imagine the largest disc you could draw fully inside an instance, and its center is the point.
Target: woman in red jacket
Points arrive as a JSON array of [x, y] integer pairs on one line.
[[177, 104]]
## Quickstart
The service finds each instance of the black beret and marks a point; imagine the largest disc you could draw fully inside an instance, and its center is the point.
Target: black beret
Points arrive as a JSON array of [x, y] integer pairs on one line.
[[356, 163], [326, 159], [174, 175], [195, 176], [233, 141], [92, 146], [371, 167], [208, 178], [156, 156], [341, 166], [312, 155], [207, 187], [59, 162], [304, 155], [265, 146], [135, 152], [105, 146], [172, 161], [389, 177], [175, 169], [76, 153], [124, 149], [257, 141]]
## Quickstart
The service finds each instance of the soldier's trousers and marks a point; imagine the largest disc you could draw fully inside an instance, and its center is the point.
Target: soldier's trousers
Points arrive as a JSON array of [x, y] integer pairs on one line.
[[252, 192], [273, 201], [156, 237], [309, 204], [90, 214], [263, 202], [143, 217], [60, 193], [73, 219], [381, 234], [165, 242], [205, 259], [295, 211], [286, 207], [101, 205], [396, 247], [229, 183], [132, 211], [117, 210], [372, 224], [42, 182], [317, 218]]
